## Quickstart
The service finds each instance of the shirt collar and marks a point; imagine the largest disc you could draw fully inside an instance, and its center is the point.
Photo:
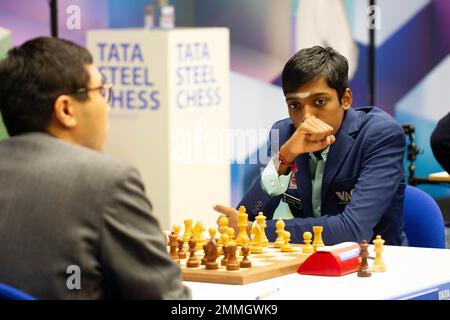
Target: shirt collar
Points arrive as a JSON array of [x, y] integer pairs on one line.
[[324, 155]]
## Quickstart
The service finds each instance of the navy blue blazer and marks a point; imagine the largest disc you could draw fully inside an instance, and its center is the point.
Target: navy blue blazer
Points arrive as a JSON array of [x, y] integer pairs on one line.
[[362, 188]]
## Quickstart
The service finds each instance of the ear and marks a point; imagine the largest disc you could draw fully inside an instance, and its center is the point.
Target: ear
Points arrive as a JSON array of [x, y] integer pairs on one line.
[[64, 112], [347, 99]]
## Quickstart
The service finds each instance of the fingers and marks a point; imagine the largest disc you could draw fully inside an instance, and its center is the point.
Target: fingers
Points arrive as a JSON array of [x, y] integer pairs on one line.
[[320, 145], [315, 129], [230, 213], [222, 209], [331, 139]]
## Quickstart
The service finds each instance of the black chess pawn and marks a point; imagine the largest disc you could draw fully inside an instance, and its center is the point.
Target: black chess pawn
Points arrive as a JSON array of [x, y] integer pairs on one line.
[[233, 263], [192, 261], [364, 270], [245, 262], [181, 252]]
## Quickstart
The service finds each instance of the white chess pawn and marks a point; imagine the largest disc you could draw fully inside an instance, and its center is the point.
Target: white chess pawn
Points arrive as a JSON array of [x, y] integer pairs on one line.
[[286, 247]]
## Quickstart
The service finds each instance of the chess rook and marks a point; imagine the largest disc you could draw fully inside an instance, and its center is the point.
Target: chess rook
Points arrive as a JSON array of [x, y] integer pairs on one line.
[[318, 242]]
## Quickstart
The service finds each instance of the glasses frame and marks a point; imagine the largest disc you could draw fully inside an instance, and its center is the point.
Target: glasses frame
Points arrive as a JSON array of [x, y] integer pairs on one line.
[[106, 87]]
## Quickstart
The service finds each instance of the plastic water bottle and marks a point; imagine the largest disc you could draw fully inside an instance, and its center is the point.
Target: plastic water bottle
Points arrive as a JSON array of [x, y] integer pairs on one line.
[[149, 21], [167, 17]]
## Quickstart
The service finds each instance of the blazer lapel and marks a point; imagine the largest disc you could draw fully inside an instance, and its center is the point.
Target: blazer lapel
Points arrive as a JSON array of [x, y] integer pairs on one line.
[[303, 178], [339, 150]]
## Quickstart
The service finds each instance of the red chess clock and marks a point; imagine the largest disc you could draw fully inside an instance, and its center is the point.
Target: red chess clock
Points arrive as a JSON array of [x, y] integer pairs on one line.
[[336, 260]]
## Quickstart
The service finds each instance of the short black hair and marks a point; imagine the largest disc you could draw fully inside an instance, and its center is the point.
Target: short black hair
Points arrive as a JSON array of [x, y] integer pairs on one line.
[[312, 63], [33, 75]]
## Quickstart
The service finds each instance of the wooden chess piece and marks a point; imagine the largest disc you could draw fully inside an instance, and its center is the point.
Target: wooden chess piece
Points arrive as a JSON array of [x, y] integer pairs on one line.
[[224, 260], [211, 262], [286, 247], [205, 256], [176, 229], [256, 246], [242, 237], [230, 232], [245, 262], [364, 270], [279, 231], [181, 252], [318, 242], [187, 230], [307, 247], [223, 227], [212, 233], [233, 263], [378, 265], [173, 243], [192, 261], [261, 221], [198, 234]]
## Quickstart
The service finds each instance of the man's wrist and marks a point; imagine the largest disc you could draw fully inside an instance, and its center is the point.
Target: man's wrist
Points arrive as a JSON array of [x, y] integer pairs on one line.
[[286, 157]]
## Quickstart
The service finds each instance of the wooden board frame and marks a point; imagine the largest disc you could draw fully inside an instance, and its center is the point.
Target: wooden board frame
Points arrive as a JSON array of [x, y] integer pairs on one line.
[[275, 268]]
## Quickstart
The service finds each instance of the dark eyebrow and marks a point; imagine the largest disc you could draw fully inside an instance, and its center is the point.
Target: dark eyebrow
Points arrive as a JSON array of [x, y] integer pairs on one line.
[[291, 96]]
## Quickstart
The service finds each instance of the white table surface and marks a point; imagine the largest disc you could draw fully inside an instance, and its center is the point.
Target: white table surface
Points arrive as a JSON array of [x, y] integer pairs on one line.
[[410, 271]]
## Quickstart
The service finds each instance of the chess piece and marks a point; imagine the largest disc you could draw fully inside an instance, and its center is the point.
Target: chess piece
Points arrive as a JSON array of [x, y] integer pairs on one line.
[[307, 247], [173, 243], [364, 270], [211, 262], [187, 230], [176, 229], [223, 227], [261, 221], [280, 229], [230, 232], [198, 235], [192, 261], [286, 247], [205, 256], [224, 260], [245, 262], [181, 252], [212, 233], [378, 264], [318, 242], [242, 238], [233, 263], [256, 246]]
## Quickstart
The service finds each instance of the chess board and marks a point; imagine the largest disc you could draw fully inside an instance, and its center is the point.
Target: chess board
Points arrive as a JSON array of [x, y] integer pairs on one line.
[[269, 264]]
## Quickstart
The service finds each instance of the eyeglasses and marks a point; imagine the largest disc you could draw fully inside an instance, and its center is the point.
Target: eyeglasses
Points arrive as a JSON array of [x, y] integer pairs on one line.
[[105, 91]]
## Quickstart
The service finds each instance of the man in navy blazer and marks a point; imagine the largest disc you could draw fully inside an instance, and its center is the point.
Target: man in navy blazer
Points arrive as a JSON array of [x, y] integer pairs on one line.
[[337, 167]]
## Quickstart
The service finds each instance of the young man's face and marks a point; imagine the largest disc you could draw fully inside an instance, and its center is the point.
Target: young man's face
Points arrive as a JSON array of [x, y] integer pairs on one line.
[[317, 99], [92, 114]]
